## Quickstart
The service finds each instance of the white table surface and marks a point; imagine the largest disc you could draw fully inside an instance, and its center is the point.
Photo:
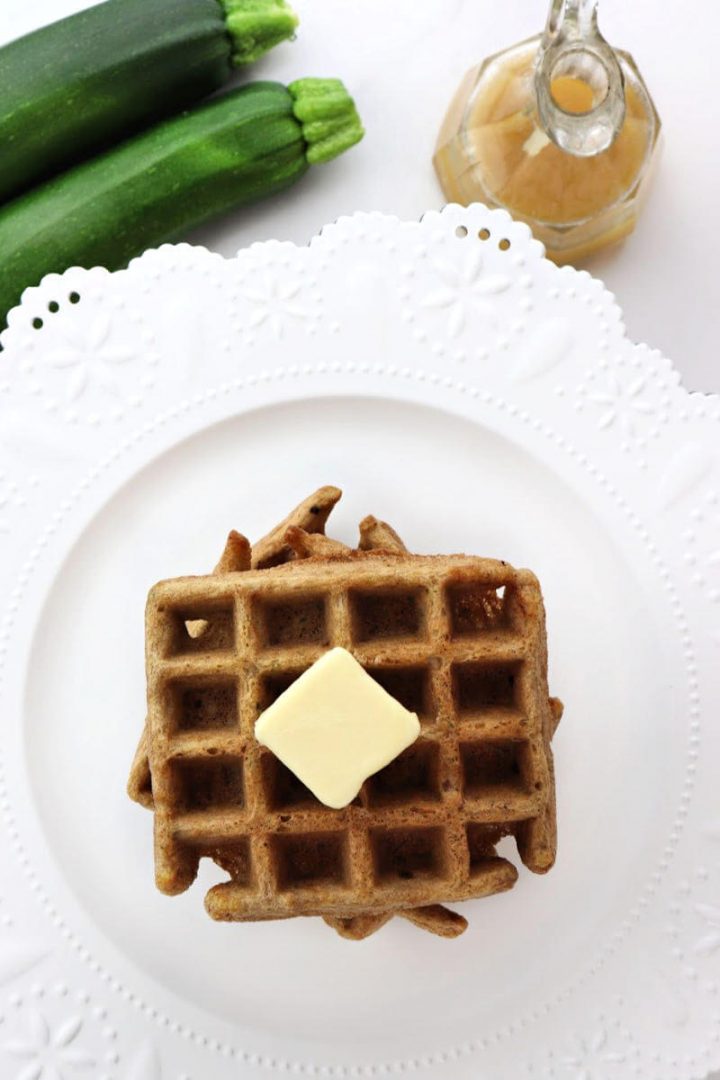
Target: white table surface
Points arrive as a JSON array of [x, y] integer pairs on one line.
[[402, 60]]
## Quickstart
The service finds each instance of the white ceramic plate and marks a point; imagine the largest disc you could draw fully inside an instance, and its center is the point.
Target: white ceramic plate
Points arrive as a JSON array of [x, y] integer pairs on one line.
[[482, 401]]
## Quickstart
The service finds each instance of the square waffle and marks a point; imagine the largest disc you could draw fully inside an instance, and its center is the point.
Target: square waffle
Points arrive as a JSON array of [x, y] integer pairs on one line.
[[457, 639]]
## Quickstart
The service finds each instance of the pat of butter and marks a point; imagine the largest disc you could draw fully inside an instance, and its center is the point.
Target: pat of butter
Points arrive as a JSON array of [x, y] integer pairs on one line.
[[335, 726]]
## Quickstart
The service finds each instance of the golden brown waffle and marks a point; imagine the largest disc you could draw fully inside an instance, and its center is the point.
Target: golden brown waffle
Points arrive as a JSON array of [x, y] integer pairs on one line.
[[298, 543], [235, 556], [434, 918], [460, 640]]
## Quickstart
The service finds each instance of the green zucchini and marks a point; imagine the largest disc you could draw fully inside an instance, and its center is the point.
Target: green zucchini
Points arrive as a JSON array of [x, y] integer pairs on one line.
[[77, 86], [236, 148]]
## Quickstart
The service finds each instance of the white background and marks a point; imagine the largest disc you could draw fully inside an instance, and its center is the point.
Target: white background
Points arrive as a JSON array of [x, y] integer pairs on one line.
[[402, 60]]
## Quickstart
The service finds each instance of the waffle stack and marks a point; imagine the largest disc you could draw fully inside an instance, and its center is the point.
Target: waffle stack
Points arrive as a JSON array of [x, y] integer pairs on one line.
[[457, 639]]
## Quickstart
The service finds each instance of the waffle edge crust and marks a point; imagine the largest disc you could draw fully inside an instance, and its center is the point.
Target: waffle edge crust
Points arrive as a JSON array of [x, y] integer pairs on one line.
[[460, 640]]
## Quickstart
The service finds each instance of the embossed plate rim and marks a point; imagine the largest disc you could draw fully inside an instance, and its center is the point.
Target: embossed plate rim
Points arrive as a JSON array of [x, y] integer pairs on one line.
[[468, 312]]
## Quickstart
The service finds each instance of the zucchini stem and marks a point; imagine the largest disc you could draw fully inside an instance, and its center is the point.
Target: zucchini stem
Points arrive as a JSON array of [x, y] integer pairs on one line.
[[328, 117], [256, 26]]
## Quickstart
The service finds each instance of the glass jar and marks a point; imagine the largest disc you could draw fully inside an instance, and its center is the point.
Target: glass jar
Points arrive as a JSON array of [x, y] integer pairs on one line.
[[560, 130]]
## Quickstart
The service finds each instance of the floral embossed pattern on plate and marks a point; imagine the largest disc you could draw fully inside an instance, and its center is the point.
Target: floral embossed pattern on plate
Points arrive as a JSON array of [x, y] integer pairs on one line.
[[454, 382]]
